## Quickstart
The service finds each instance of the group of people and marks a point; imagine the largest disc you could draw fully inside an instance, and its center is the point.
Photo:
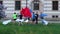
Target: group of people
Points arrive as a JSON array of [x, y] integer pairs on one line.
[[34, 17]]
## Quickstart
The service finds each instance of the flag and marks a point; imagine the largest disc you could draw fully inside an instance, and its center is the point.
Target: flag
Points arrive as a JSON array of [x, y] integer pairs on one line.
[[43, 15], [45, 22], [26, 20], [20, 20], [26, 12], [6, 22]]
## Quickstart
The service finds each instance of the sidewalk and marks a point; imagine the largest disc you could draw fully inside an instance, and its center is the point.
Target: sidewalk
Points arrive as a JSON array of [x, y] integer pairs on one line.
[[51, 21], [40, 21]]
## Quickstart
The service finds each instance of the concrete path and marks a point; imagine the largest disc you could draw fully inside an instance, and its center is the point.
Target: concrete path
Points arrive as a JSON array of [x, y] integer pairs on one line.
[[39, 21]]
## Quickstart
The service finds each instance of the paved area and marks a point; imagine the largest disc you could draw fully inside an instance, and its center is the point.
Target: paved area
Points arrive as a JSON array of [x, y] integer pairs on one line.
[[39, 21], [52, 21]]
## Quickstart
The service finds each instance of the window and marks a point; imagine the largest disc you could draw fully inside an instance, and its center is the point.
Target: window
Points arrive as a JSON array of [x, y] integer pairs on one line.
[[54, 16], [36, 5], [17, 5], [54, 5], [1, 2]]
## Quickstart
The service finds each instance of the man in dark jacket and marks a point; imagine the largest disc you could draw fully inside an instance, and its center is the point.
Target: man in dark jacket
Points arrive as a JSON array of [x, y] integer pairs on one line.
[[20, 16], [36, 17]]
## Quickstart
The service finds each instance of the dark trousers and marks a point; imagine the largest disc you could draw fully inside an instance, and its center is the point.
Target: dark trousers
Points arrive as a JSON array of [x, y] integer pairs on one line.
[[36, 20]]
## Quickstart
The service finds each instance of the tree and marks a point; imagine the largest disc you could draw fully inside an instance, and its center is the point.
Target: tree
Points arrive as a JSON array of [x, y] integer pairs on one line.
[[2, 13]]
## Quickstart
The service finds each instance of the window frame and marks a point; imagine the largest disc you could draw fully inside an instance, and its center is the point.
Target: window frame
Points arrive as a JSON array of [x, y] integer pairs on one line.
[[55, 6], [19, 5], [34, 7], [36, 3]]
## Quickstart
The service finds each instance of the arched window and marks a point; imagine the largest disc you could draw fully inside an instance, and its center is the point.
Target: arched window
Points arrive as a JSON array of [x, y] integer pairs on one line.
[[36, 5]]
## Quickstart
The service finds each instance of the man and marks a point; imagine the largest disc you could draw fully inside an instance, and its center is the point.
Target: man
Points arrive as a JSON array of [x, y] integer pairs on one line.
[[14, 17], [33, 18], [20, 16], [36, 17]]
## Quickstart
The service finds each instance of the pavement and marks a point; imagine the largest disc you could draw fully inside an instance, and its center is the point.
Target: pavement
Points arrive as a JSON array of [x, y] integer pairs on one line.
[[38, 21]]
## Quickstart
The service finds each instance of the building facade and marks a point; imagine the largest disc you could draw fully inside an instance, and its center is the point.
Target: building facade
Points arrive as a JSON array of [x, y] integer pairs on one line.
[[50, 7]]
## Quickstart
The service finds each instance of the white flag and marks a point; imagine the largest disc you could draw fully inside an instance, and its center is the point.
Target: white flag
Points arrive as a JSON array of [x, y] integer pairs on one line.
[[20, 20], [45, 22], [26, 20], [6, 22]]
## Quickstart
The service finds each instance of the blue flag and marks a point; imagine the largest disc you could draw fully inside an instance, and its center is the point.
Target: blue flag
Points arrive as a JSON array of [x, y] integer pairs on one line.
[[43, 15]]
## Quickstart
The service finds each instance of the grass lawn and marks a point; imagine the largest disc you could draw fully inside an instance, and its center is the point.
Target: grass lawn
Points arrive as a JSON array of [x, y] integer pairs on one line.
[[30, 29]]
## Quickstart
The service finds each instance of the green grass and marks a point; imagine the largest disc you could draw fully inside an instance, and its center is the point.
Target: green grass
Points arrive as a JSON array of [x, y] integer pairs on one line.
[[30, 29]]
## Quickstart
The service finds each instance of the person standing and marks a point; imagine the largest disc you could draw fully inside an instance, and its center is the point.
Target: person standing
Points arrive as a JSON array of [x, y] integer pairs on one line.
[[20, 16], [14, 17], [33, 18], [36, 17]]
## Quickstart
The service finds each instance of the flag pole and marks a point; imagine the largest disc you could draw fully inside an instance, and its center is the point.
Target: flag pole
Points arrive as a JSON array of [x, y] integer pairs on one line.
[[26, 3]]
